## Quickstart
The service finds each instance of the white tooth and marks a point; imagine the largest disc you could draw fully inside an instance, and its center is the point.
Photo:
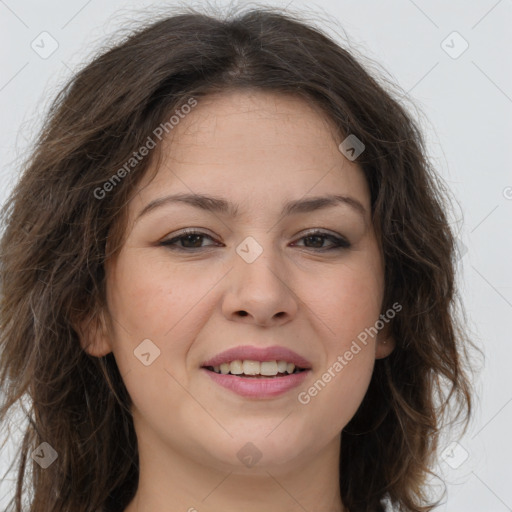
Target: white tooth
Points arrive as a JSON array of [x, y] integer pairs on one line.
[[224, 368], [251, 367], [290, 367], [216, 369], [236, 367], [281, 366], [269, 368]]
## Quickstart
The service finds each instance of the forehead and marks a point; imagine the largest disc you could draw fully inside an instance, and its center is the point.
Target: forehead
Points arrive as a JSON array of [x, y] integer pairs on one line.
[[254, 146], [240, 119]]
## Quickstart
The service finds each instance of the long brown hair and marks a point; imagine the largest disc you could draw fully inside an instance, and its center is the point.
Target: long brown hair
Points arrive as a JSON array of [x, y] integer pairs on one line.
[[54, 248]]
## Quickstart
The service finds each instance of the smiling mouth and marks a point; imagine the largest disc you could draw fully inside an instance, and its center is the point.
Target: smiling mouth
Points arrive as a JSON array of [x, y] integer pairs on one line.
[[255, 369]]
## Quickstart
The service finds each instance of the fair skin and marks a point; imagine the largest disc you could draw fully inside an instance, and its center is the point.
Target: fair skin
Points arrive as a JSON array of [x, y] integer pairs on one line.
[[258, 150]]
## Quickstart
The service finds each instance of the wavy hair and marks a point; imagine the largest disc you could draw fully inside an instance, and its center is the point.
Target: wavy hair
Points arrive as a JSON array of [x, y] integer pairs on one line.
[[58, 236]]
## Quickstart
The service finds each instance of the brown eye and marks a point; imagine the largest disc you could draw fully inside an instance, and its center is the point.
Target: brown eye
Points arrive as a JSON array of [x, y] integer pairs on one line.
[[317, 239], [190, 240]]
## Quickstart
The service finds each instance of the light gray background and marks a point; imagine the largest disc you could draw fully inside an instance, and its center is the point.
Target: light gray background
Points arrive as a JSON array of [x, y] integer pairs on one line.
[[467, 107]]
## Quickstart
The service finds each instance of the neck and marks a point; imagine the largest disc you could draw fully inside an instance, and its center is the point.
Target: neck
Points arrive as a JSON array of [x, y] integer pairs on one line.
[[169, 479]]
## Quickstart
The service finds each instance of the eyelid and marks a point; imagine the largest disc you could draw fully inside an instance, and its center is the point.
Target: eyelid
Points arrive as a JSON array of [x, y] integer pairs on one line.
[[192, 231], [186, 232], [339, 241], [201, 231], [320, 231]]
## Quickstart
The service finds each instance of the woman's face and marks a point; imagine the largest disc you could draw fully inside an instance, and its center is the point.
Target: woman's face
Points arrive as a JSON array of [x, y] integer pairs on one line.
[[255, 279]]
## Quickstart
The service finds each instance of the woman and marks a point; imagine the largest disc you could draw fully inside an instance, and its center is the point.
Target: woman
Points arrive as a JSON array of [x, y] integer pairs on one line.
[[228, 281]]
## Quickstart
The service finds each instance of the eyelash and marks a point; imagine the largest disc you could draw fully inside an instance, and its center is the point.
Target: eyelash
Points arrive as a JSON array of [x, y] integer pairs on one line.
[[339, 243]]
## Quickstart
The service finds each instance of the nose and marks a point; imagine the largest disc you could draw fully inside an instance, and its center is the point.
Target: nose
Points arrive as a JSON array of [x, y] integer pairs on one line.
[[260, 293]]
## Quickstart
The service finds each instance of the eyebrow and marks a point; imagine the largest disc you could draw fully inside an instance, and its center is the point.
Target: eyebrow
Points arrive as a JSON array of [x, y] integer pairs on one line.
[[222, 206]]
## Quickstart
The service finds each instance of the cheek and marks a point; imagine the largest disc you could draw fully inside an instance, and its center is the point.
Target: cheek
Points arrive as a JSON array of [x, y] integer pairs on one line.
[[347, 301], [151, 295], [348, 304], [152, 300], [338, 391], [149, 300]]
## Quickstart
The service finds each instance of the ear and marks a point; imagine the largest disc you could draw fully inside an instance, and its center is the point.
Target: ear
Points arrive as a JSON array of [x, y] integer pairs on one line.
[[94, 335], [385, 343]]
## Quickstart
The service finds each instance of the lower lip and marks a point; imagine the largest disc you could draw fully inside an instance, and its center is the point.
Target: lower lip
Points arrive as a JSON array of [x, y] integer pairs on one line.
[[258, 387]]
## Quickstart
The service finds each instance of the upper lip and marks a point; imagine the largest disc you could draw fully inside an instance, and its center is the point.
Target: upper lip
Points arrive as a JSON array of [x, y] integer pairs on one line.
[[249, 352]]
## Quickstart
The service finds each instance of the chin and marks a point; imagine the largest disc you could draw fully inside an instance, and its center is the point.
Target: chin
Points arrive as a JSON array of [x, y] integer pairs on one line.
[[267, 448]]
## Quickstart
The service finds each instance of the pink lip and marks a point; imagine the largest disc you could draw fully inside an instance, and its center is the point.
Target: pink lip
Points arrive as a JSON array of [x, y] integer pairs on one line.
[[248, 352], [254, 387]]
